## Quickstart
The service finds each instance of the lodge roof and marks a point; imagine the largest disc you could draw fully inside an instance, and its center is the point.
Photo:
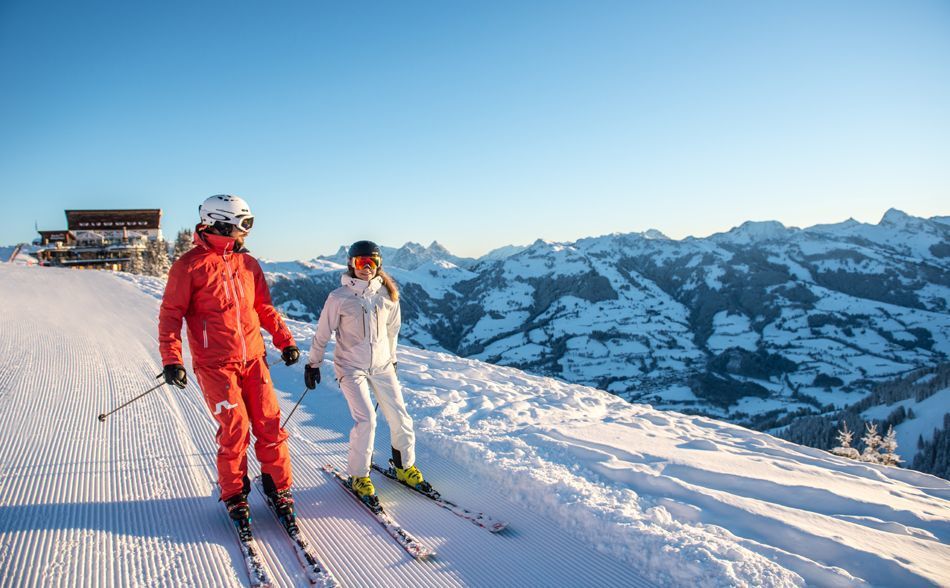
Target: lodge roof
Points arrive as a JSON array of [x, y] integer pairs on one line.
[[141, 218]]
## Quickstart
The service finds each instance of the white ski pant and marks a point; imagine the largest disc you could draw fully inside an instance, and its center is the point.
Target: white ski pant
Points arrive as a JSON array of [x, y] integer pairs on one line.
[[356, 388]]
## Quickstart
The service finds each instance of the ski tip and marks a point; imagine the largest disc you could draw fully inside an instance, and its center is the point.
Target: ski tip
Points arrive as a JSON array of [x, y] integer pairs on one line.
[[420, 551], [497, 527]]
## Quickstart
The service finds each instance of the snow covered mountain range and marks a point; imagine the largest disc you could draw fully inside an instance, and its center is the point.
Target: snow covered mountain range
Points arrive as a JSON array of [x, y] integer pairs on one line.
[[597, 491], [751, 325]]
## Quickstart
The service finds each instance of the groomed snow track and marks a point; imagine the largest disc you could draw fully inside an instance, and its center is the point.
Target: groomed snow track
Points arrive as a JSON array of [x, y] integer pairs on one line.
[[132, 501]]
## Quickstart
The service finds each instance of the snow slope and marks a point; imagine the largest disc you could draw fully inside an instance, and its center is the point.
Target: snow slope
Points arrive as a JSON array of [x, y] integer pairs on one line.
[[597, 491], [928, 418]]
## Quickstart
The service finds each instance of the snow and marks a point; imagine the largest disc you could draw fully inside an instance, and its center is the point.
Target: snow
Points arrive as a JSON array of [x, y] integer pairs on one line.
[[929, 414], [597, 491], [24, 256], [132, 501], [297, 269], [753, 232], [437, 277], [502, 252], [897, 230], [732, 330]]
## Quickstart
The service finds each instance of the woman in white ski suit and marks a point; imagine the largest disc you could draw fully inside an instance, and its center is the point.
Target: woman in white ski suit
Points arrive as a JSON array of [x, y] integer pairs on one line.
[[365, 315]]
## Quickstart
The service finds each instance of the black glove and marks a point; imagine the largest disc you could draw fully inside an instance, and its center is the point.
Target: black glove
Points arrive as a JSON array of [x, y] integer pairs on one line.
[[311, 377], [175, 375], [290, 355]]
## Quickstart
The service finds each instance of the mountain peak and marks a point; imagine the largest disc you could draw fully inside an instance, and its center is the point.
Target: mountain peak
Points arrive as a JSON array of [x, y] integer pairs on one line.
[[437, 247], [895, 217], [753, 231], [655, 234]]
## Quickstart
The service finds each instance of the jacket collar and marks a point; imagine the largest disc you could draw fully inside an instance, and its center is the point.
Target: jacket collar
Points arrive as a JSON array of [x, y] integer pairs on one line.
[[216, 243], [359, 286]]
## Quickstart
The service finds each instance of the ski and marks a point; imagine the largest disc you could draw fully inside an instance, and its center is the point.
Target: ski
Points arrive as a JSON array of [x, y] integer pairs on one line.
[[316, 572], [412, 545], [252, 555], [481, 519]]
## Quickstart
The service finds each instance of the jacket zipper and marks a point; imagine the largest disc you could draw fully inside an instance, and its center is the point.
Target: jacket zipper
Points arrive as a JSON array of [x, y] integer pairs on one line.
[[237, 309], [365, 330], [206, 333], [367, 337]]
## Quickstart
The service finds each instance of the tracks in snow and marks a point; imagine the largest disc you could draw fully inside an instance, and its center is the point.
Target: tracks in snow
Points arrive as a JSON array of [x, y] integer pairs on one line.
[[132, 501]]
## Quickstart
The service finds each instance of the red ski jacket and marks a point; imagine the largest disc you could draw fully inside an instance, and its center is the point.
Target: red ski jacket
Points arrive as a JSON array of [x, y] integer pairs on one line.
[[222, 295]]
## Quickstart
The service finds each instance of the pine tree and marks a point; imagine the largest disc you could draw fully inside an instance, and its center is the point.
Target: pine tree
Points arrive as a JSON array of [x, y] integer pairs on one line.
[[889, 448], [157, 255], [148, 260], [182, 244], [872, 441], [136, 262], [844, 448]]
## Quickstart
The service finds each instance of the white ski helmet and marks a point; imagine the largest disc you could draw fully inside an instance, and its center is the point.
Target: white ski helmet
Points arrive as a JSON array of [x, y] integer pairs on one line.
[[226, 208]]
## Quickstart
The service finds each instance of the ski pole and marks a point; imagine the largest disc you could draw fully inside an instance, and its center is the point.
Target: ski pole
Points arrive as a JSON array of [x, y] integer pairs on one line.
[[294, 408], [102, 417]]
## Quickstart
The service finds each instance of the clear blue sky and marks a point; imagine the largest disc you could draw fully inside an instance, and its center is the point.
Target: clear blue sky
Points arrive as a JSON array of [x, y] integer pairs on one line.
[[477, 124]]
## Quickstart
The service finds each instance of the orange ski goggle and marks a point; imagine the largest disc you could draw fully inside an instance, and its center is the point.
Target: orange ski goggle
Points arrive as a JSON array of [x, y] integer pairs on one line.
[[365, 261]]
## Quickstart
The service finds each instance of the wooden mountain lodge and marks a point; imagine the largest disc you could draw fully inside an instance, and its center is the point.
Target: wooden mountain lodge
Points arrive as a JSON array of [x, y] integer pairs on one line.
[[99, 239]]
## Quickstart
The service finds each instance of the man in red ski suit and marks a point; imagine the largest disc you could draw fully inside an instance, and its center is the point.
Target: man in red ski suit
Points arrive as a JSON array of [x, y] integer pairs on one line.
[[220, 291]]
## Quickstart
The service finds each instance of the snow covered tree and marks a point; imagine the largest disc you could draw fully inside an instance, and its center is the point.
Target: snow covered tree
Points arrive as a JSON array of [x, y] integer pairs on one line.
[[872, 441], [156, 258], [182, 244], [889, 448], [136, 262], [844, 448]]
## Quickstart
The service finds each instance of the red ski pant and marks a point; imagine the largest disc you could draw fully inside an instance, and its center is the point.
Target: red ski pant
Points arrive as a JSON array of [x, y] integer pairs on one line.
[[241, 399]]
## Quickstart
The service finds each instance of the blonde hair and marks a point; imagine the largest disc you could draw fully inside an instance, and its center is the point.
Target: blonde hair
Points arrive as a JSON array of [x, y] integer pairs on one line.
[[390, 284]]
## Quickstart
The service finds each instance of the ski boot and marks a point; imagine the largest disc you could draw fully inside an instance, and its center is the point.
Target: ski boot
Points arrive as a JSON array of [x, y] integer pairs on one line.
[[240, 513], [364, 489], [281, 501], [412, 477], [238, 508]]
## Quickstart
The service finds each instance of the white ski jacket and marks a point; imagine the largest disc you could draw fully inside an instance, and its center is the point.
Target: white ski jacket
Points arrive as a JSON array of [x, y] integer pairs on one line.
[[366, 322]]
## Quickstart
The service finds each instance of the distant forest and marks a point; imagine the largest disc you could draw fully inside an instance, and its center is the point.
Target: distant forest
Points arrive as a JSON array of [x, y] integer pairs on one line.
[[933, 455]]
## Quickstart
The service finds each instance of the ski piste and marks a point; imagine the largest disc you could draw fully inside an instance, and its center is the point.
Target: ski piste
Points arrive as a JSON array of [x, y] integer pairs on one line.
[[478, 518], [412, 545], [316, 572], [256, 570]]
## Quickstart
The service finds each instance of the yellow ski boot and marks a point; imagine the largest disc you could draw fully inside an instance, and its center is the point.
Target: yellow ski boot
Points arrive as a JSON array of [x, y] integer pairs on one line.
[[363, 488], [412, 477]]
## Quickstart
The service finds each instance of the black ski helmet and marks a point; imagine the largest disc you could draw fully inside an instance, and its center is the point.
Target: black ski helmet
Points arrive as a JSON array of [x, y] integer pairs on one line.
[[366, 249]]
